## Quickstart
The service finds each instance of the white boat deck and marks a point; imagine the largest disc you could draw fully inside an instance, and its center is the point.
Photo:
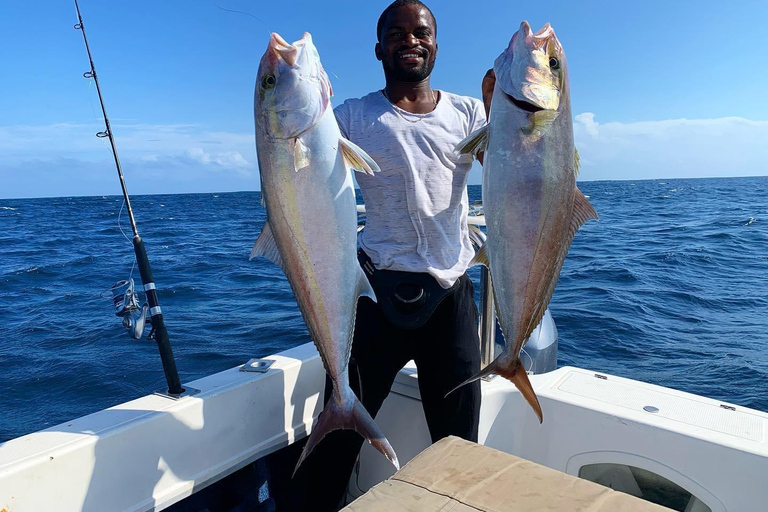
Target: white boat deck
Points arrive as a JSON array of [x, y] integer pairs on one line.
[[152, 452]]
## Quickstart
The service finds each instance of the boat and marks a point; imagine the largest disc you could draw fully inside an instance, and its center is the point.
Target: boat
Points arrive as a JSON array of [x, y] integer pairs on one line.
[[232, 444]]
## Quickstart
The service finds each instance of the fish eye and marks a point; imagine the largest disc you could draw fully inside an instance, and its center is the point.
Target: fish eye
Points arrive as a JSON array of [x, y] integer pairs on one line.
[[268, 82], [554, 63]]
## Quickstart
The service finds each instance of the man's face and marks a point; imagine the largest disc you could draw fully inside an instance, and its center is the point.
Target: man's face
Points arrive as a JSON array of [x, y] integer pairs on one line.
[[408, 48]]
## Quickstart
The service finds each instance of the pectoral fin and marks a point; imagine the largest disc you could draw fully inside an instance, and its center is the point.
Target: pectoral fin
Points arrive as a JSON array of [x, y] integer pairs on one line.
[[356, 158], [266, 247], [540, 122], [301, 155], [475, 143]]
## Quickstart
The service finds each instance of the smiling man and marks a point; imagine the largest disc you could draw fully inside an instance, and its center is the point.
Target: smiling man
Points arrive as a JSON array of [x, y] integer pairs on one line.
[[415, 247]]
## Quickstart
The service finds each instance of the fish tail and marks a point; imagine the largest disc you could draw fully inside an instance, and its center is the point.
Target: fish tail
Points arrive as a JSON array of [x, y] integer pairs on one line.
[[357, 418], [517, 375], [483, 373]]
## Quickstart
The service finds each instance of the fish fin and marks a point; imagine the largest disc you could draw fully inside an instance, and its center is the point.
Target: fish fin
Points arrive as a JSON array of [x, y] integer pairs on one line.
[[475, 143], [266, 247], [540, 121], [581, 212], [517, 376], [483, 373], [335, 417], [301, 155], [356, 158], [481, 258], [576, 161], [364, 286]]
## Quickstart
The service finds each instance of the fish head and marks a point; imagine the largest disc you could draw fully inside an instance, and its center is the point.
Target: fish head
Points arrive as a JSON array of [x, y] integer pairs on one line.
[[292, 88], [532, 70]]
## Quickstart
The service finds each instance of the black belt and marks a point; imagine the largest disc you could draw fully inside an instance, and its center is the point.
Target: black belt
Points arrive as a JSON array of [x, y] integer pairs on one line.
[[407, 299]]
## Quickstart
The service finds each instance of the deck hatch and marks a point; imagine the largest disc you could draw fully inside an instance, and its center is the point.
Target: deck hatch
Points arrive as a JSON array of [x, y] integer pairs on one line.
[[698, 413]]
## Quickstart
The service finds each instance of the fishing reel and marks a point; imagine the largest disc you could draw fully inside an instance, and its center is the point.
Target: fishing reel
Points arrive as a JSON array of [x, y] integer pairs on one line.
[[126, 303]]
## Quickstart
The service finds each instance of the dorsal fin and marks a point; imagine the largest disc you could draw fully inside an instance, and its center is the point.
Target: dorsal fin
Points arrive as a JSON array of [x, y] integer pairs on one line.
[[576, 161]]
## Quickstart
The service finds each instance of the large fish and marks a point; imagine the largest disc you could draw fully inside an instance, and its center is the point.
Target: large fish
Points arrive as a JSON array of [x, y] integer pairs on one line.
[[311, 229], [532, 206]]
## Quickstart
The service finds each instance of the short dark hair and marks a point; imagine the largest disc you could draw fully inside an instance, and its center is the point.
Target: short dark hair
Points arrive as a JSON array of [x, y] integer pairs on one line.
[[396, 5]]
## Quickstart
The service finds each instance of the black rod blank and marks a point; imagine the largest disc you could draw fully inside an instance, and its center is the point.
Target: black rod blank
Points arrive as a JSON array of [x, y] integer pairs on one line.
[[156, 315]]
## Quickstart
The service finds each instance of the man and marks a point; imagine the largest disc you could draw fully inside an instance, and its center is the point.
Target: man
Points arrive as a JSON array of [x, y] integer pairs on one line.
[[415, 247]]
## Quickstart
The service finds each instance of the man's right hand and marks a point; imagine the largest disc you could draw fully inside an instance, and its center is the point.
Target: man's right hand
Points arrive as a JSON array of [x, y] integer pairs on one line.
[[489, 81]]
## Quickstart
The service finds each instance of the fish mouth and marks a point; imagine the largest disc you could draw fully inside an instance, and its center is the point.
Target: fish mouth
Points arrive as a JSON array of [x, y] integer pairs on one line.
[[286, 51], [524, 105]]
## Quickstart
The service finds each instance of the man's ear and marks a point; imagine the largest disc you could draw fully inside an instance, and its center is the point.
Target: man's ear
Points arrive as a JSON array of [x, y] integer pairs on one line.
[[377, 51]]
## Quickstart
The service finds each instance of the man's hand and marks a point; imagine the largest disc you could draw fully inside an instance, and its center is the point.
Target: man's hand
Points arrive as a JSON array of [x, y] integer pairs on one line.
[[489, 80]]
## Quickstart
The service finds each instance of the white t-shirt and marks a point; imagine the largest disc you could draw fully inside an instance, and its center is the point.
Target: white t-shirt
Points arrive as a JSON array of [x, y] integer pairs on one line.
[[416, 207]]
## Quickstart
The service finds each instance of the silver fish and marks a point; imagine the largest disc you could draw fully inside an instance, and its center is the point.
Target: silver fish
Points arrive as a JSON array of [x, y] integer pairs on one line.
[[311, 229], [532, 206]]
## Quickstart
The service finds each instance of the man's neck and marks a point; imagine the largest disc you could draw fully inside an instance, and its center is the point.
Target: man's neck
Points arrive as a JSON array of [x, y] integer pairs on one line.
[[415, 97]]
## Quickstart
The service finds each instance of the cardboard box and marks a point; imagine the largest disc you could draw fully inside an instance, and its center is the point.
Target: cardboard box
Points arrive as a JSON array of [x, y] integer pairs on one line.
[[458, 476]]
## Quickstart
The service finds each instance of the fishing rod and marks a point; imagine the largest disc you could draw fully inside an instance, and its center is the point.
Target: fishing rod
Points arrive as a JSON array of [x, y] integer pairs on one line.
[[123, 293]]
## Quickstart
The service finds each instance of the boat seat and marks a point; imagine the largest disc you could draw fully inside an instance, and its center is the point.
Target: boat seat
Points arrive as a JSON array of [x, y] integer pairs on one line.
[[460, 476]]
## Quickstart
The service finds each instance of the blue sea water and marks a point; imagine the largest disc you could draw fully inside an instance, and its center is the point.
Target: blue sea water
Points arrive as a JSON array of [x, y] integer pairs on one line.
[[670, 287]]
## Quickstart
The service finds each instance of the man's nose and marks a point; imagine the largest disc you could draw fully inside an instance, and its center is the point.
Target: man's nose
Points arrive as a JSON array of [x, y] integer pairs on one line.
[[411, 39]]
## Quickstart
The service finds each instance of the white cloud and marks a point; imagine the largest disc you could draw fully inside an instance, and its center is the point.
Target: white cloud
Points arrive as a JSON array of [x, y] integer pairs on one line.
[[166, 158], [224, 159], [674, 148]]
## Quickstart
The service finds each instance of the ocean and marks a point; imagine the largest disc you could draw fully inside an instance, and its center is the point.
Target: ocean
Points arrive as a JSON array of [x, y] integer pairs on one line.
[[669, 287]]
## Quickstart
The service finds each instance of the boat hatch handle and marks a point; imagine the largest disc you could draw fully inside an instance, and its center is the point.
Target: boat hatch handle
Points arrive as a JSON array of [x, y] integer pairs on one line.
[[729, 407], [604, 377], [257, 365], [650, 408]]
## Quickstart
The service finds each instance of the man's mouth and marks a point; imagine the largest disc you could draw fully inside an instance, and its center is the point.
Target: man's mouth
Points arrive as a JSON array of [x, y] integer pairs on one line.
[[410, 54]]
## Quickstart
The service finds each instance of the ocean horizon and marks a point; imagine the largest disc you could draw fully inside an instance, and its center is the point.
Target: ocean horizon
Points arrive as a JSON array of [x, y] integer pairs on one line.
[[669, 287]]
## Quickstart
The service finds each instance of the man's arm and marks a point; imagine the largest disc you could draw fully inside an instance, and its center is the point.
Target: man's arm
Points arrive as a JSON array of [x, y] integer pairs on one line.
[[489, 80]]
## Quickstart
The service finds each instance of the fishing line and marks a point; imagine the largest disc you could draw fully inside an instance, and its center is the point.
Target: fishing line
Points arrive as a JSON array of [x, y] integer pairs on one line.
[[269, 32]]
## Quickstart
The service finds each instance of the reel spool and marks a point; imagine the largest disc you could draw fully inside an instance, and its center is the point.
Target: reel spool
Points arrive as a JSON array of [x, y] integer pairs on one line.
[[126, 303]]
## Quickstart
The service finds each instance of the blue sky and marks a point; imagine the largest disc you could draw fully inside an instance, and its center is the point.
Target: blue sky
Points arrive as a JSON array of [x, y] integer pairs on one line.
[[659, 89]]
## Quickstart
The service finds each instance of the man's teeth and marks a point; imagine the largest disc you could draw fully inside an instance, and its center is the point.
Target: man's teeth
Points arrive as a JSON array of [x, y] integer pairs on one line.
[[409, 55]]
